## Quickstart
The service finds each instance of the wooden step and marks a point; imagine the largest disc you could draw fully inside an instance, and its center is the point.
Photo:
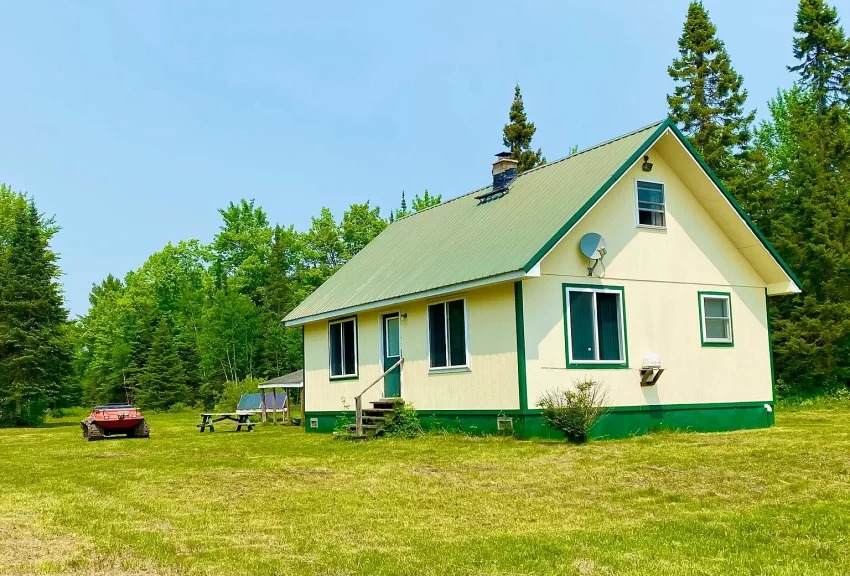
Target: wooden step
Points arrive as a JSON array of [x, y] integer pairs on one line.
[[353, 427], [374, 419]]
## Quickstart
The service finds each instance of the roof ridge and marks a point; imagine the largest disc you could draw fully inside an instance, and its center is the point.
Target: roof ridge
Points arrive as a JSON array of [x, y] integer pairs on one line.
[[595, 146], [580, 152]]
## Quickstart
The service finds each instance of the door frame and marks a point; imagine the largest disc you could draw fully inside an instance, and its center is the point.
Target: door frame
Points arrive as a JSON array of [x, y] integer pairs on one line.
[[382, 329]]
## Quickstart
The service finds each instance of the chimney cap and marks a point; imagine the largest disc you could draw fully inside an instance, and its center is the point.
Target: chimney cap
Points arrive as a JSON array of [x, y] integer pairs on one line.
[[503, 155]]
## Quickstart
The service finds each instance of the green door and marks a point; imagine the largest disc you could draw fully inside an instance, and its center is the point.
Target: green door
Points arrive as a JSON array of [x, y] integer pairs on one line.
[[392, 354]]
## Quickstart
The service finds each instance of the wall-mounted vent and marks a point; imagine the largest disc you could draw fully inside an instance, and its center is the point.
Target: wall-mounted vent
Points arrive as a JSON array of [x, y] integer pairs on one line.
[[314, 422], [504, 172], [504, 424]]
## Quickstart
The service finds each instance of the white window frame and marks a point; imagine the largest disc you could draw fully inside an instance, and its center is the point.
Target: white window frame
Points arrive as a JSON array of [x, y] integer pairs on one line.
[[637, 204], [345, 375], [449, 367], [705, 339], [621, 323]]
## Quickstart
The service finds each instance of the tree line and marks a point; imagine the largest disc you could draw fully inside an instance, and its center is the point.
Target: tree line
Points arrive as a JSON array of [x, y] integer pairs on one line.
[[196, 317]]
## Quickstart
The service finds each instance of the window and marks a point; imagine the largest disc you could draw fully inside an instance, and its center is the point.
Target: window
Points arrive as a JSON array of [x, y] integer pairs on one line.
[[650, 204], [342, 347], [715, 318], [595, 326], [392, 337], [447, 334]]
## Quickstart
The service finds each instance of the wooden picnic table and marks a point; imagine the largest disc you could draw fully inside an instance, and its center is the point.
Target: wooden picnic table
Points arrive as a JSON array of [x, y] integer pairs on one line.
[[208, 420]]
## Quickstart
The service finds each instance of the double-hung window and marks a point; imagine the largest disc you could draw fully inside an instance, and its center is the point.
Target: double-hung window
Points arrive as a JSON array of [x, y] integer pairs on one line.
[[715, 310], [447, 334], [342, 347], [595, 326], [650, 204]]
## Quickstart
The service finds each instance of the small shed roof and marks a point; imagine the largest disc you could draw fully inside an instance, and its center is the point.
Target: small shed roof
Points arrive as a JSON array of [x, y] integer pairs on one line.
[[291, 380]]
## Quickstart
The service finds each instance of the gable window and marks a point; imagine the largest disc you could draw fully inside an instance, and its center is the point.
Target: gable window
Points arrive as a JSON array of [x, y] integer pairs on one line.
[[715, 310], [650, 204], [595, 326], [342, 348], [447, 334]]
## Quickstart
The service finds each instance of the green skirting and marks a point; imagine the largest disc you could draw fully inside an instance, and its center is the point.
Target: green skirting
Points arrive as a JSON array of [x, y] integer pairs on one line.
[[619, 422]]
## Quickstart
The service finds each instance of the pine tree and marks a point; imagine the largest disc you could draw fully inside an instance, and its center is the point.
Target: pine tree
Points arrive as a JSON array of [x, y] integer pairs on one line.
[[517, 135], [163, 380], [35, 345], [823, 52], [708, 101]]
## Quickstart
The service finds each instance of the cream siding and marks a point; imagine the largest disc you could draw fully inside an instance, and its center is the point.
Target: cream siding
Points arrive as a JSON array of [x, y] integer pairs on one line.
[[661, 272], [490, 382]]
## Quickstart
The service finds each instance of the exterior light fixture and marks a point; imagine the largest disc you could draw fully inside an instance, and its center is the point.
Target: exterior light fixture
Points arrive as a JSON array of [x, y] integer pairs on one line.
[[647, 165]]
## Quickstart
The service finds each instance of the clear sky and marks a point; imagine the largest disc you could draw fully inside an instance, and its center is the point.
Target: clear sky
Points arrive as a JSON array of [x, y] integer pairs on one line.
[[133, 121]]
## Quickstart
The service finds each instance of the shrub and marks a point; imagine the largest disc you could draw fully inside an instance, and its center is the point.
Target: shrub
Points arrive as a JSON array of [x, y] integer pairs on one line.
[[404, 422], [178, 408], [574, 411]]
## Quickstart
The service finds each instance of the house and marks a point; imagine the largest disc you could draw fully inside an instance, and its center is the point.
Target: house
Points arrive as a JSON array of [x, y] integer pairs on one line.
[[490, 300]]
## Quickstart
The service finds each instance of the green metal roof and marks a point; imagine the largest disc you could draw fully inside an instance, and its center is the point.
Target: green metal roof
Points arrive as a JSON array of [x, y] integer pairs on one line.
[[463, 241]]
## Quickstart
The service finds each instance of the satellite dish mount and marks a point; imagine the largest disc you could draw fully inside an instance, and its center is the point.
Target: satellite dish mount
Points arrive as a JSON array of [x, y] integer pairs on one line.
[[594, 248]]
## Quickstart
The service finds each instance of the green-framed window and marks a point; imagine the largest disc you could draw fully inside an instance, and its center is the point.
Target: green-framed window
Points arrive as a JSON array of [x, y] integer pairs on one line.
[[447, 335], [715, 319], [342, 348], [595, 326], [651, 207]]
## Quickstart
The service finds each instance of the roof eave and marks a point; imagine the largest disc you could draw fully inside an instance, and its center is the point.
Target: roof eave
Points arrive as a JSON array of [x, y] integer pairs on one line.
[[793, 286], [435, 292]]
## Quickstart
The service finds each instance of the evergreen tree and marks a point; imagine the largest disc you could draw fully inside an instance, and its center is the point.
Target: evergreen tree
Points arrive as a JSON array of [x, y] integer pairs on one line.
[[823, 52], [163, 380], [811, 133], [517, 135], [35, 344], [708, 100]]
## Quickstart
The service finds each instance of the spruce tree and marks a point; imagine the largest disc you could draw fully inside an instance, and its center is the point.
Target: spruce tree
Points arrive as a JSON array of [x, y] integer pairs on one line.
[[811, 131], [163, 380], [708, 100], [35, 345], [823, 52], [517, 135]]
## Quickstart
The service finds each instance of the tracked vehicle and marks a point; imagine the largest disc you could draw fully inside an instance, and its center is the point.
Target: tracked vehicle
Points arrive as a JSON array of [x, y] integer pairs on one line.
[[114, 419]]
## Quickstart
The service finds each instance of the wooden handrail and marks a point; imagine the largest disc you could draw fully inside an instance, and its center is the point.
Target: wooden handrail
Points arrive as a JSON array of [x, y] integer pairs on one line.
[[358, 400]]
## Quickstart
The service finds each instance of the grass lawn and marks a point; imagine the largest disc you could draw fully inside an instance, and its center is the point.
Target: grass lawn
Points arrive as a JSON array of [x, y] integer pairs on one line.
[[277, 501]]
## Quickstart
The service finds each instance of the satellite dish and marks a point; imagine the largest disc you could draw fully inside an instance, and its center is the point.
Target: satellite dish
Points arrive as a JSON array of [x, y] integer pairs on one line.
[[593, 246]]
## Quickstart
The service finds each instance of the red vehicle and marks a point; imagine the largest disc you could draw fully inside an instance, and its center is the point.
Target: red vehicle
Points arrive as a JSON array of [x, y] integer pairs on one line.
[[115, 419]]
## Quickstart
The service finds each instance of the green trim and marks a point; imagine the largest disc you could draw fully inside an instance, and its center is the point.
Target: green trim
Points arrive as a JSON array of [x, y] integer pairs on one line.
[[770, 345], [342, 378], [765, 242], [520, 347], [303, 379], [617, 422], [668, 123], [596, 196], [705, 344], [592, 365]]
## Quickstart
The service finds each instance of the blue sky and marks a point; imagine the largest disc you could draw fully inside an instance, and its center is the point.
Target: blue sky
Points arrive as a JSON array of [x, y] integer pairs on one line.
[[133, 121]]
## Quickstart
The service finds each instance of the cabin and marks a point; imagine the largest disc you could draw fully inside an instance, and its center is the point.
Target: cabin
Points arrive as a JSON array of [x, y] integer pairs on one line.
[[628, 263]]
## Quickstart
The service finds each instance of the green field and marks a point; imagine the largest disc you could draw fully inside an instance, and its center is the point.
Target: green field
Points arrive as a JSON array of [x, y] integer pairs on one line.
[[277, 501]]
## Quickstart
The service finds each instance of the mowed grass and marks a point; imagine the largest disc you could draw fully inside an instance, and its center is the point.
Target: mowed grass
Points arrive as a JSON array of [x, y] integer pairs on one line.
[[278, 501]]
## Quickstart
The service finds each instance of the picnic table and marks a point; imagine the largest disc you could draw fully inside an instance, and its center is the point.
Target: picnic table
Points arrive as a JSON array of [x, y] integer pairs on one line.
[[241, 419]]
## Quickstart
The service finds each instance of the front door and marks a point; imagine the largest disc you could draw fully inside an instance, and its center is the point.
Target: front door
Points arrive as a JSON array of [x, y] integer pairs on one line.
[[392, 354]]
